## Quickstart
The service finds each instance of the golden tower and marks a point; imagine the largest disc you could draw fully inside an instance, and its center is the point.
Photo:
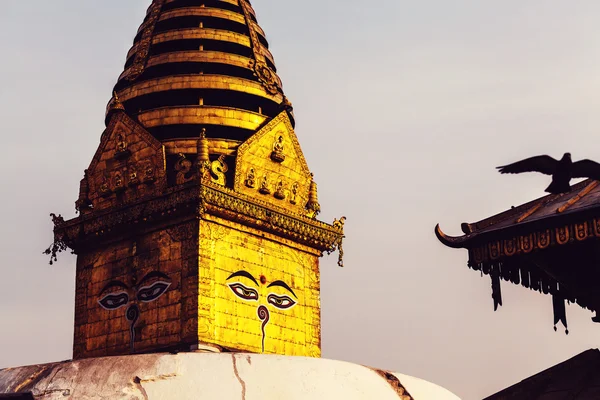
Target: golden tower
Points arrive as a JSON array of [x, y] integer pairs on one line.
[[197, 225]]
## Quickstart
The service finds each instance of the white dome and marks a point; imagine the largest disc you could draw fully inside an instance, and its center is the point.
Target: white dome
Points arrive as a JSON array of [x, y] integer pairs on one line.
[[222, 376]]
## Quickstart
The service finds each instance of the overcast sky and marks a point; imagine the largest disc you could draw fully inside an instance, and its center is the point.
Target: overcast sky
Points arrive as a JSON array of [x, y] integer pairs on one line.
[[403, 110]]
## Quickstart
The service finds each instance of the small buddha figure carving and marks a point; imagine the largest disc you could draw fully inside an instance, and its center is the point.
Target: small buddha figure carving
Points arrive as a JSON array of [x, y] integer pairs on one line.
[[121, 150], [264, 186], [149, 174], [251, 178], [183, 167], [104, 189], [294, 196], [279, 192], [133, 176], [121, 144], [277, 155], [118, 182]]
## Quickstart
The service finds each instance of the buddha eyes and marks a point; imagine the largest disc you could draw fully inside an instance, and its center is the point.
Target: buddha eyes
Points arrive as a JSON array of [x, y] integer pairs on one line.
[[114, 301], [243, 292], [145, 294], [152, 292], [281, 302]]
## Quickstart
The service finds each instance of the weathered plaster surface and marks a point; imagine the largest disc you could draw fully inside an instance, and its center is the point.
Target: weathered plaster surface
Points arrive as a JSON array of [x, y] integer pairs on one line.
[[199, 376]]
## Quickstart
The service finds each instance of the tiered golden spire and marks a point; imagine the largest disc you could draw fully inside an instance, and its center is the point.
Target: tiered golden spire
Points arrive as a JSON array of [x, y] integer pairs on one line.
[[200, 64], [199, 199]]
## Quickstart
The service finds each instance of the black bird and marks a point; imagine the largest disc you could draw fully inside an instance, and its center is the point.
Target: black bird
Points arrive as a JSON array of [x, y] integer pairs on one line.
[[562, 171]]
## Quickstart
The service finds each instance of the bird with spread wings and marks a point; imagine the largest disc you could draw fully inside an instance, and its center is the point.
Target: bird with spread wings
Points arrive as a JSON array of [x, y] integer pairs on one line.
[[562, 170]]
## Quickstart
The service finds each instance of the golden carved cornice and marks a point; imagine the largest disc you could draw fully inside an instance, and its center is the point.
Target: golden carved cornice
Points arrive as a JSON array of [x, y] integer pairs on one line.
[[244, 209], [195, 200]]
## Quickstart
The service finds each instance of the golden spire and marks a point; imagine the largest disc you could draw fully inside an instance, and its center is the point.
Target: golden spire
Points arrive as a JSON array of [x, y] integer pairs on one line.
[[208, 65]]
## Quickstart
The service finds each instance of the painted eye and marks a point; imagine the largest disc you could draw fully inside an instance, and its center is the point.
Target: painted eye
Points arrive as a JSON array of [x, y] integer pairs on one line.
[[243, 292], [114, 301], [281, 302], [152, 292]]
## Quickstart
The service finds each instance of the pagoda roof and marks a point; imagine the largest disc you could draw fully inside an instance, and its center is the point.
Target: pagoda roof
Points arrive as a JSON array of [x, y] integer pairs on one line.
[[546, 245], [551, 211]]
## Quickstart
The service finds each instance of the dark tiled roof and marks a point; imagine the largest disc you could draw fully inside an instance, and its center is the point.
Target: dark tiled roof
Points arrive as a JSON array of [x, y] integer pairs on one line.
[[585, 197], [575, 379]]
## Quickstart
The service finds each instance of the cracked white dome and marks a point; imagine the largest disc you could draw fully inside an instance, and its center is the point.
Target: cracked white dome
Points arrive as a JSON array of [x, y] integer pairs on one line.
[[214, 376]]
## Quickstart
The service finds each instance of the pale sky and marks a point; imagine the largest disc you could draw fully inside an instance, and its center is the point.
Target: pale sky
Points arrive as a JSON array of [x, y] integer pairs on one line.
[[403, 110]]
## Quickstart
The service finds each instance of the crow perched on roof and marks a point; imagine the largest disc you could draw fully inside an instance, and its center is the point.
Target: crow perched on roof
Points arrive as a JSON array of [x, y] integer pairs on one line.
[[562, 171]]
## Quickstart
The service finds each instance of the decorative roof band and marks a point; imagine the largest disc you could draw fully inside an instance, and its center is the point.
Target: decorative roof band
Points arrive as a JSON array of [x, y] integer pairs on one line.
[[539, 240], [143, 50], [263, 72], [197, 199]]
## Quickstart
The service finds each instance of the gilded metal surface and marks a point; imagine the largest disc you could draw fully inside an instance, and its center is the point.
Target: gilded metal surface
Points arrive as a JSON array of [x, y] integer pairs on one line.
[[184, 256], [204, 56], [313, 206], [234, 2], [218, 200], [288, 175], [218, 169], [197, 33], [203, 12], [128, 157], [183, 166], [256, 294], [141, 56], [263, 72], [190, 146], [182, 82], [211, 115], [203, 154], [262, 215], [211, 12]]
